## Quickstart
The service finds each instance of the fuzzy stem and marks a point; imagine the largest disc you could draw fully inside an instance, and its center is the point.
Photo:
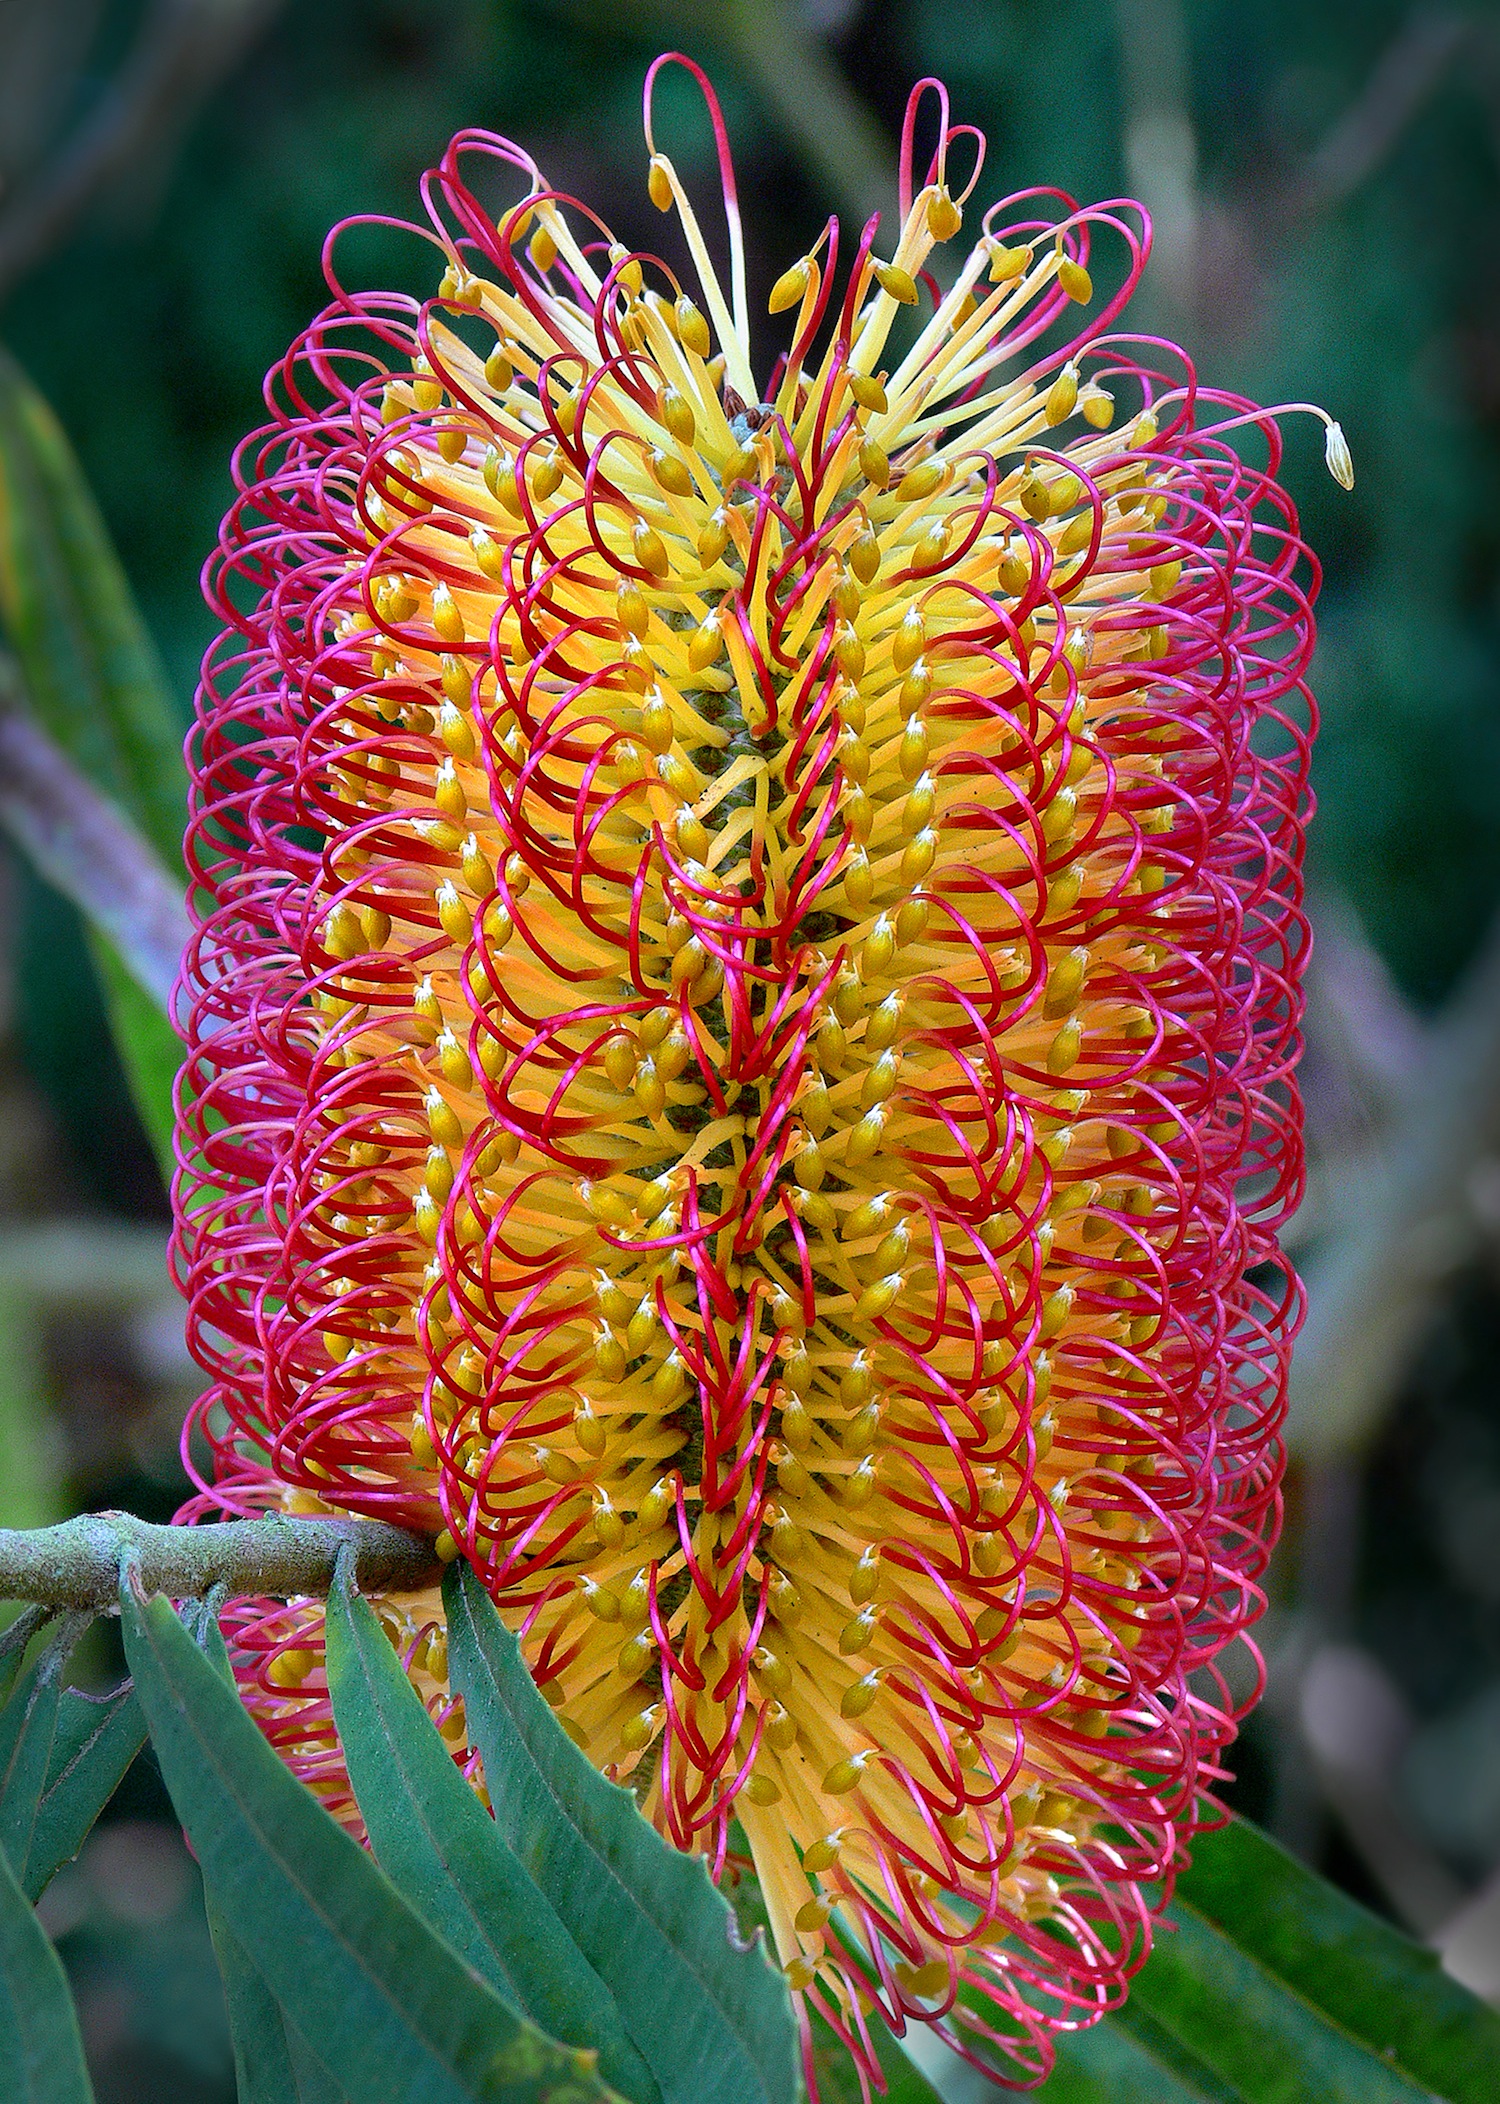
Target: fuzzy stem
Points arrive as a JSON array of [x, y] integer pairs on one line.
[[77, 1564]]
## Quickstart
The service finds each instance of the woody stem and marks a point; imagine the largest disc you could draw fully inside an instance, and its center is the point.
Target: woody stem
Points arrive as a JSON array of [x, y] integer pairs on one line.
[[78, 1563]]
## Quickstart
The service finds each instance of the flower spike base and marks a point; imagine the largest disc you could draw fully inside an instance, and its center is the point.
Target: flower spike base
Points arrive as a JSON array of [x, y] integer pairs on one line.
[[741, 1045]]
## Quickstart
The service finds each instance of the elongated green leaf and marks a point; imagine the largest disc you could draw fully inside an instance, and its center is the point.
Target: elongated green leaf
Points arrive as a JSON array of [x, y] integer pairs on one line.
[[1264, 2042], [149, 1049], [905, 2082], [28, 1725], [61, 1758], [95, 683], [14, 1642], [91, 671], [1278, 2050], [1112, 2063], [93, 1745], [86, 847], [1363, 1974], [1370, 1978], [41, 2054], [200, 1619], [1269, 1986], [833, 2064], [445, 1855], [391, 2007], [712, 2021], [1104, 2065], [1126, 2059], [272, 2065]]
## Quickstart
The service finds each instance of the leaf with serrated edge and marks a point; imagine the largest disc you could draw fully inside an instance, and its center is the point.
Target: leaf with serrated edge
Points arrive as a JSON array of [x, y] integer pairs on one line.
[[397, 2012], [713, 2022], [444, 1854], [93, 1745], [41, 2054]]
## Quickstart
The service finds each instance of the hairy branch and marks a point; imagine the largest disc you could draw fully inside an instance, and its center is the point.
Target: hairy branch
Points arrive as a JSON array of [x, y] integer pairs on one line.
[[77, 1565]]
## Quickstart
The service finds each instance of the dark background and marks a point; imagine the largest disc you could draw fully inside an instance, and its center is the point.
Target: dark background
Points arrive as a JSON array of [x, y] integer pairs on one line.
[[1325, 180]]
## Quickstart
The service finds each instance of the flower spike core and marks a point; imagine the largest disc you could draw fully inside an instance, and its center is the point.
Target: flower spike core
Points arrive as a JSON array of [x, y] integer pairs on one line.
[[742, 1039]]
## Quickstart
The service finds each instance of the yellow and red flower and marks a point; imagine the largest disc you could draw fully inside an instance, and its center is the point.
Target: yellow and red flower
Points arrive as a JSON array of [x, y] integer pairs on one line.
[[741, 1046]]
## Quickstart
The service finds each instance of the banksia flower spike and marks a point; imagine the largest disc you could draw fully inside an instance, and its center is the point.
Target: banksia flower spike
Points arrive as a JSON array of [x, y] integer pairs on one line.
[[741, 1045]]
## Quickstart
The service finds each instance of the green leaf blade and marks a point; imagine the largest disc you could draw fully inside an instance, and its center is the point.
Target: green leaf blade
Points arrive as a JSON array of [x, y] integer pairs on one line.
[[94, 682], [1267, 2043], [446, 1857], [149, 1048], [272, 2065], [1127, 2058], [41, 2053], [1367, 1977], [28, 1727], [712, 2021], [91, 670], [1267, 1985], [93, 1745], [1116, 2061], [348, 1961], [838, 2078]]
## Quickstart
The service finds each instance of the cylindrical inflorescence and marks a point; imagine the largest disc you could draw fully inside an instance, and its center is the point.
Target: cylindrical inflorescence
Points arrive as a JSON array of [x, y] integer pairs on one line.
[[741, 1042]]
